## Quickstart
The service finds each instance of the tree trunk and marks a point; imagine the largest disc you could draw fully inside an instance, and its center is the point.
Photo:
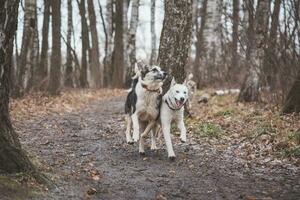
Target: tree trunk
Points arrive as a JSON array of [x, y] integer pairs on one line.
[[131, 46], [96, 69], [34, 57], [118, 53], [27, 49], [292, 102], [175, 38], [55, 70], [271, 62], [69, 63], [257, 32], [233, 69], [85, 44], [109, 30], [153, 35], [200, 44], [43, 62], [12, 157]]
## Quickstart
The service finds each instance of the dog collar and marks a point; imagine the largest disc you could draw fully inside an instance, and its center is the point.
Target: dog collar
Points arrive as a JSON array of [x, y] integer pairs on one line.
[[149, 90], [171, 107]]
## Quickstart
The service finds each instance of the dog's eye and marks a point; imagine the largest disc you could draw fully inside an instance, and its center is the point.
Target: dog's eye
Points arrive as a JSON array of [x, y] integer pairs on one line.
[[184, 92], [177, 91]]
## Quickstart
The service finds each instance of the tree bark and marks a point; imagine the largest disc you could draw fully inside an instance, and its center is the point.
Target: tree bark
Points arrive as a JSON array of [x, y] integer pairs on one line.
[[43, 62], [131, 46], [96, 69], [271, 62], [233, 69], [118, 53], [27, 48], [153, 35], [257, 32], [200, 44], [85, 44], [55, 70], [175, 38], [292, 102], [69, 63], [109, 30], [12, 158]]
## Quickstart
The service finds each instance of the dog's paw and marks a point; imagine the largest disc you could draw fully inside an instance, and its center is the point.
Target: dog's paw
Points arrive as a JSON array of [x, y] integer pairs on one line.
[[172, 158], [130, 142], [142, 153]]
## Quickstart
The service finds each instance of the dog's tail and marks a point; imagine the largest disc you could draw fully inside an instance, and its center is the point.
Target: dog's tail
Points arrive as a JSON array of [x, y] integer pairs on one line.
[[190, 76]]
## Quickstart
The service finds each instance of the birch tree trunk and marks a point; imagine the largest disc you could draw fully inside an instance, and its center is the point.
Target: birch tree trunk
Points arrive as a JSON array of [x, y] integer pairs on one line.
[[118, 53], [69, 63], [12, 158], [85, 44], [96, 69], [27, 48], [34, 57], [257, 32], [125, 40], [153, 35], [200, 44], [175, 38], [131, 45], [55, 69]]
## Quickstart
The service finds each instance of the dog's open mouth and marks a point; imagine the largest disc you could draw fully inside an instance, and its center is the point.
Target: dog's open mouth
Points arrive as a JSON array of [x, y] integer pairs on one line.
[[179, 103]]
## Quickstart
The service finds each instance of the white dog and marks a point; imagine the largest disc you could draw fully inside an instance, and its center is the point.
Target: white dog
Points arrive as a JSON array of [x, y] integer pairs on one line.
[[143, 101], [172, 109]]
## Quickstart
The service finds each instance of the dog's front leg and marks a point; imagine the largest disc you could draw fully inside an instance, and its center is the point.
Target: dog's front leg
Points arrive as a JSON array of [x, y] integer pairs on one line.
[[136, 127], [128, 129], [166, 127], [182, 129]]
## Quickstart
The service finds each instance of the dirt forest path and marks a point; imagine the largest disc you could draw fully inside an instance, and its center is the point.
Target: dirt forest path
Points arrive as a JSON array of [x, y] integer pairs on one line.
[[88, 159]]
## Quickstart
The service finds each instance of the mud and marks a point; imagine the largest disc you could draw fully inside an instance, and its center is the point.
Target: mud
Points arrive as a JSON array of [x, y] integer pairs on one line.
[[86, 156]]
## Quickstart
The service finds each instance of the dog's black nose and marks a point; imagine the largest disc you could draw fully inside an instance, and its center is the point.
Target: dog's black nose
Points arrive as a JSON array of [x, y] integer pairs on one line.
[[182, 99]]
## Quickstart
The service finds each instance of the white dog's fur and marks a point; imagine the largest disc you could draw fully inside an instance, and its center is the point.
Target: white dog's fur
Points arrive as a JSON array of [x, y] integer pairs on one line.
[[172, 109]]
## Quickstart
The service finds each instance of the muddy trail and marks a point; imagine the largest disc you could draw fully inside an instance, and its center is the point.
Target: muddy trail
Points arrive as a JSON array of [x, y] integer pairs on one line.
[[86, 156]]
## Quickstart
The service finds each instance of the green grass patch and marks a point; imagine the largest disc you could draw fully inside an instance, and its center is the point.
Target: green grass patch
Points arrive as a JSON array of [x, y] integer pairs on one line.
[[224, 113], [13, 187], [208, 129], [295, 136], [291, 152]]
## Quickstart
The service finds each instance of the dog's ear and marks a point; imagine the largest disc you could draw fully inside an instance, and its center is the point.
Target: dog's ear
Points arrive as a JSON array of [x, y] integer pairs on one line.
[[173, 82]]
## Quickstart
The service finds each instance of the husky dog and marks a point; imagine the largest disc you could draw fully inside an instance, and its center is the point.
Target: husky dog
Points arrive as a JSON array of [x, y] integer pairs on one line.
[[143, 100], [172, 109]]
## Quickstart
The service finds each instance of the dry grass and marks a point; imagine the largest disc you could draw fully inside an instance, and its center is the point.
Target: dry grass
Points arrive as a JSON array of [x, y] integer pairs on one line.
[[256, 130], [38, 104]]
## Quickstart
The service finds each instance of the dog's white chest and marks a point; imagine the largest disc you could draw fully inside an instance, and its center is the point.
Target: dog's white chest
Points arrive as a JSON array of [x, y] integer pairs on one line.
[[148, 107]]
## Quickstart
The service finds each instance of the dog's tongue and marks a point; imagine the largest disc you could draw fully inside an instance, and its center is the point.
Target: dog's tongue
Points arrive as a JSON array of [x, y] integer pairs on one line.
[[178, 103]]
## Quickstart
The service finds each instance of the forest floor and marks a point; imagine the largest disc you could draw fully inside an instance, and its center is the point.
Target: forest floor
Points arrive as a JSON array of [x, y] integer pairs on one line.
[[234, 151]]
